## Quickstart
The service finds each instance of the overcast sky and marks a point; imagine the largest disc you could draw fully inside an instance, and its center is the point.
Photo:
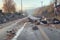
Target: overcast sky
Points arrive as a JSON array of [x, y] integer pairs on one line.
[[29, 4]]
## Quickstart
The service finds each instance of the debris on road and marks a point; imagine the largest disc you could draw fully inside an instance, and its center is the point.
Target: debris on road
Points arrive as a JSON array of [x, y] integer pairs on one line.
[[35, 28]]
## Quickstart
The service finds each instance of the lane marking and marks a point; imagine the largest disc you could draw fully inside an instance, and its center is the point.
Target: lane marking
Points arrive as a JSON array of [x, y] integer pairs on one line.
[[19, 32], [43, 33]]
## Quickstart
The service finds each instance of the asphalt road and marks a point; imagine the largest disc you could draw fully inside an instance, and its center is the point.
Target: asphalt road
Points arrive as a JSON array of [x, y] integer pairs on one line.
[[27, 33], [3, 31], [43, 33], [53, 33], [9, 26]]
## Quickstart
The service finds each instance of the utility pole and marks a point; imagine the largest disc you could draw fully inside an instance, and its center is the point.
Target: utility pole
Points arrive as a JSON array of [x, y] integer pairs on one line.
[[21, 7], [41, 3], [55, 4]]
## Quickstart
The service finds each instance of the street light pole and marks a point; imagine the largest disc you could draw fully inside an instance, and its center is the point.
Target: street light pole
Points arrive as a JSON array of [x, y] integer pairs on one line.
[[21, 6]]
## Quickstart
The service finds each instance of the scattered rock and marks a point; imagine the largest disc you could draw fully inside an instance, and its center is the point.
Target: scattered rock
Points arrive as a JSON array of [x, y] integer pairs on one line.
[[35, 28]]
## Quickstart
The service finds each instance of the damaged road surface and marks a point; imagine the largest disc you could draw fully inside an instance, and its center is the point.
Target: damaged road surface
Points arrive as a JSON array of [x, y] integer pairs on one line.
[[29, 33]]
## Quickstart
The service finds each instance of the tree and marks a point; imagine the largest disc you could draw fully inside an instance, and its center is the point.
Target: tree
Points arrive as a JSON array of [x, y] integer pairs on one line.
[[9, 6]]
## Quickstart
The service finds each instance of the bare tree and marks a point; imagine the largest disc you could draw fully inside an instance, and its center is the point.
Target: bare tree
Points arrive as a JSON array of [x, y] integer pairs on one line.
[[9, 6]]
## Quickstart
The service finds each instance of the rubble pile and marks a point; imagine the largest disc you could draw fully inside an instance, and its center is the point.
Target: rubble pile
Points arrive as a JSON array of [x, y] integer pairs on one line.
[[9, 17]]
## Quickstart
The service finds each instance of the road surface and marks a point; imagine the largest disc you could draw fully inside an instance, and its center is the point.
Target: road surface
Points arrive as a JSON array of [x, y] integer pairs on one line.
[[9, 26], [27, 33], [53, 33], [43, 33]]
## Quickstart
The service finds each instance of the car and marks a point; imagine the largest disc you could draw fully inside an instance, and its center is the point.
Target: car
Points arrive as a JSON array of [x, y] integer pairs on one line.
[[43, 22], [56, 21]]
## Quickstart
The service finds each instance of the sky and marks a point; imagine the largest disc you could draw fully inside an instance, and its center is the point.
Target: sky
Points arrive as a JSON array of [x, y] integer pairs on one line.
[[35, 3], [29, 4]]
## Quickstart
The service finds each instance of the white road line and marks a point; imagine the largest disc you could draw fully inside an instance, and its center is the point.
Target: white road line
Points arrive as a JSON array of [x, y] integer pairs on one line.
[[43, 33], [19, 31]]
